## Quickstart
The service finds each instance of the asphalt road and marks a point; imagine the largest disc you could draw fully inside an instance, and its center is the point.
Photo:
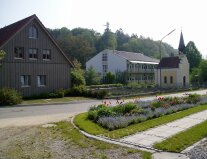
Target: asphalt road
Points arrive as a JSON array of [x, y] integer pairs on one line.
[[41, 114]]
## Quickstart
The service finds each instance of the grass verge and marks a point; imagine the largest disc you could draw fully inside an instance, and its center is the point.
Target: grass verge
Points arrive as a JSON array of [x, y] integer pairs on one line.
[[68, 133], [92, 128], [54, 100], [182, 140]]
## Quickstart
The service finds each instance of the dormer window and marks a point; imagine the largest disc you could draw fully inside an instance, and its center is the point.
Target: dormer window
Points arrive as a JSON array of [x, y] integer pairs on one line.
[[33, 33]]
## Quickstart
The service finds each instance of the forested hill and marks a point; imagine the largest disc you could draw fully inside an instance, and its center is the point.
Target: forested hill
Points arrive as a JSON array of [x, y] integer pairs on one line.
[[83, 44]]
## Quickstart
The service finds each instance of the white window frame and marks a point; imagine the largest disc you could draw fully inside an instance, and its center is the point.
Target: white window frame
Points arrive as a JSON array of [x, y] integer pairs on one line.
[[41, 80], [47, 54], [25, 80], [33, 52]]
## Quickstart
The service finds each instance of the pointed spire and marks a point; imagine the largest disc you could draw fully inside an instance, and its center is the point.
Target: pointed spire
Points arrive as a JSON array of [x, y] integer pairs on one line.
[[181, 44]]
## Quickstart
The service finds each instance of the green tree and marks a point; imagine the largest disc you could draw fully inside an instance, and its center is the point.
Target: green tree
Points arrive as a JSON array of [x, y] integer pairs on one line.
[[77, 74], [2, 54], [121, 77], [194, 75], [107, 40], [193, 55], [121, 38], [92, 76], [133, 45], [203, 71], [109, 78]]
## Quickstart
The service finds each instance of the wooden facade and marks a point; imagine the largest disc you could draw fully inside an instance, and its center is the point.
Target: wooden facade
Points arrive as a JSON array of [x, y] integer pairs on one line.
[[55, 67]]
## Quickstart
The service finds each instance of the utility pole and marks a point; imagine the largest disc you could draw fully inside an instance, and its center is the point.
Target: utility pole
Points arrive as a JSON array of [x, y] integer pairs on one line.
[[161, 55]]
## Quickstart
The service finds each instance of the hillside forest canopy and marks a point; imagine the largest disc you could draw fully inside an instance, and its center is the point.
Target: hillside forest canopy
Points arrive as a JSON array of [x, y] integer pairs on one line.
[[82, 43]]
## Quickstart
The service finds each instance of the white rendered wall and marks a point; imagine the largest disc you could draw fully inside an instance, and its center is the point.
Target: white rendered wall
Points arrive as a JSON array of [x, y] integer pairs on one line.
[[96, 62], [115, 62]]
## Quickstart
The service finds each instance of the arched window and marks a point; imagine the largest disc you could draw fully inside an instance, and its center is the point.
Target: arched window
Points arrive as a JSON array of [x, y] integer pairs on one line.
[[171, 79], [33, 33], [165, 79]]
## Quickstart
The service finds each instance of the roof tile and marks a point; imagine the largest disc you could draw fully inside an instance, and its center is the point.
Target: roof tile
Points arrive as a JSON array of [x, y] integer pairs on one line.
[[169, 62], [7, 32], [132, 56]]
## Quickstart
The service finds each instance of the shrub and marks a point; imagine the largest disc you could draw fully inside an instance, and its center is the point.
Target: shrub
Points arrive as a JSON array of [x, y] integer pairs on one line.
[[125, 108], [102, 94], [105, 112], [193, 98], [60, 93], [9, 97], [78, 90], [101, 110], [93, 115], [156, 104]]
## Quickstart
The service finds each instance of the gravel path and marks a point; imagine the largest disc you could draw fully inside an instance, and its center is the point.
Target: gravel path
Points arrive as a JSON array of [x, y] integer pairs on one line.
[[199, 151]]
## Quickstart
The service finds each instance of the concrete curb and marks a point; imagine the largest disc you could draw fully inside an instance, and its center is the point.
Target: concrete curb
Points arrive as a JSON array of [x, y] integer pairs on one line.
[[55, 103], [114, 141], [156, 154]]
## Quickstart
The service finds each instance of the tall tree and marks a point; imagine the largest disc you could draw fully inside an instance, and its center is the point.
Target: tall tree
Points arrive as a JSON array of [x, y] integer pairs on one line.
[[109, 78], [203, 71], [121, 38], [92, 76], [193, 55], [77, 74], [107, 40]]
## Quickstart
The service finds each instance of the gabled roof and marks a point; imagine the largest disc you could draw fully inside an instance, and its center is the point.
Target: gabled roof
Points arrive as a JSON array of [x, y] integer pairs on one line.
[[133, 57], [11, 30], [169, 62]]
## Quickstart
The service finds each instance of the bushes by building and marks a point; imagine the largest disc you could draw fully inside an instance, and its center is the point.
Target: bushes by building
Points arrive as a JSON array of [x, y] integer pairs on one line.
[[9, 96]]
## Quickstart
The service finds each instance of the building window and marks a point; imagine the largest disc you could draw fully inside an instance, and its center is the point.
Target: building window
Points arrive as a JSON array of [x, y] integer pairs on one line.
[[19, 52], [105, 68], [41, 80], [33, 33], [165, 79], [171, 79], [104, 57], [33, 53], [25, 80], [46, 54]]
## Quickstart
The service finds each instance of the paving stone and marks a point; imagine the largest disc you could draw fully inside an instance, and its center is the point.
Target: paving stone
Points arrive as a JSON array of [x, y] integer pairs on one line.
[[168, 155], [145, 142], [134, 138], [158, 134], [189, 124]]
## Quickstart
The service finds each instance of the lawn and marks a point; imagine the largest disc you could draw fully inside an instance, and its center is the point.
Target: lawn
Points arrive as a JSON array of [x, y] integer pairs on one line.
[[182, 140], [54, 100], [92, 128], [67, 132], [61, 141]]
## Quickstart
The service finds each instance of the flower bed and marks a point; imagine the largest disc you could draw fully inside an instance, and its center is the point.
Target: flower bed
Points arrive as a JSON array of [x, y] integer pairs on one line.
[[123, 115]]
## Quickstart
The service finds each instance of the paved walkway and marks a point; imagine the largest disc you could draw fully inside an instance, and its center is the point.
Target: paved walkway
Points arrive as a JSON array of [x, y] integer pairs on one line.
[[160, 133]]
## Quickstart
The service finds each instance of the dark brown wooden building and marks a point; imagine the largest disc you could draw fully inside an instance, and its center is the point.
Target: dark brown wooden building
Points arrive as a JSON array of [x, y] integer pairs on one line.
[[33, 63]]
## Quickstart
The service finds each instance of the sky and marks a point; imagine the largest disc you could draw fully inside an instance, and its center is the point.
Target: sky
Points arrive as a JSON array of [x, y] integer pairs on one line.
[[149, 18]]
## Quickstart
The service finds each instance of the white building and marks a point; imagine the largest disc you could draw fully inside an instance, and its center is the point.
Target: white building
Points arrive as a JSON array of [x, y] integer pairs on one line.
[[139, 68]]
